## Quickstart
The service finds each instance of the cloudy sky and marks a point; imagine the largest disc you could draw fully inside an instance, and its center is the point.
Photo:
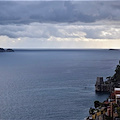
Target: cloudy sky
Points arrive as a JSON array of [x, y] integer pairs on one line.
[[60, 24]]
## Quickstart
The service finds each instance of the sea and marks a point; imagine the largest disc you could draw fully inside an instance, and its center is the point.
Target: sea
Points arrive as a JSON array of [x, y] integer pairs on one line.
[[52, 84]]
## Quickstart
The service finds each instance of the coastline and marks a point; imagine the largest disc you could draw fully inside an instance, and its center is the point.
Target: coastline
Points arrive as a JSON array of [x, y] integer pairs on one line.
[[109, 109]]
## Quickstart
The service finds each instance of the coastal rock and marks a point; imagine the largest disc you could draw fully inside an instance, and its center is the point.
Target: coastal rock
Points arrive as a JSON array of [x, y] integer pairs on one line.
[[103, 86]]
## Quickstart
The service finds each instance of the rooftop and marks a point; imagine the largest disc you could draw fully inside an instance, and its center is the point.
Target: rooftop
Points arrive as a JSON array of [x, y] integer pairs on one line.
[[117, 89], [118, 95]]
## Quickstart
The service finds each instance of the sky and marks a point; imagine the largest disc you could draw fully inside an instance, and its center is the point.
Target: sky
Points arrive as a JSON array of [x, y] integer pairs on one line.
[[60, 24]]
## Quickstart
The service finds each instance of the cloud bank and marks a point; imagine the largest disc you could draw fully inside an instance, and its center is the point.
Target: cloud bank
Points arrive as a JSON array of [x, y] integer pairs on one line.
[[58, 11], [59, 23]]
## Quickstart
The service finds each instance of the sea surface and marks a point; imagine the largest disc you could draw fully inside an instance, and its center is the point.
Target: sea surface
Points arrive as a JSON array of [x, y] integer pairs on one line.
[[52, 84]]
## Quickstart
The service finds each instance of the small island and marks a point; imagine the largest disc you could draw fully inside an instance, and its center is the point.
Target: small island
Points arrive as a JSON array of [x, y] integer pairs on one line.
[[113, 49], [7, 50], [2, 50]]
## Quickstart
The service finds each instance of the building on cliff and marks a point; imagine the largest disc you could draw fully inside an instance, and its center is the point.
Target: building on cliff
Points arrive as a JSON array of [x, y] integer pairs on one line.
[[107, 110]]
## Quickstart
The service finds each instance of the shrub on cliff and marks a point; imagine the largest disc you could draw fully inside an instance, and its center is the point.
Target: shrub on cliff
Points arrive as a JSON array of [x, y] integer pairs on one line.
[[116, 76], [118, 111], [91, 111], [97, 104]]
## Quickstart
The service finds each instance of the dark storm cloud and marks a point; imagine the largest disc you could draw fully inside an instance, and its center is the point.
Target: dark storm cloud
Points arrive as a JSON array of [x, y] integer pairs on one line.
[[72, 19], [57, 11]]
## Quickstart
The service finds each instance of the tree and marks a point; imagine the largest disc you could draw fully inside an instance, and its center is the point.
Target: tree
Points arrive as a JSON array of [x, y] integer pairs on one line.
[[116, 76], [91, 111], [108, 78], [118, 111], [97, 104]]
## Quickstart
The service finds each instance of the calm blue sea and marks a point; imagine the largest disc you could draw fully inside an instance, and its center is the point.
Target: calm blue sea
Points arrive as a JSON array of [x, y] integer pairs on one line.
[[52, 85]]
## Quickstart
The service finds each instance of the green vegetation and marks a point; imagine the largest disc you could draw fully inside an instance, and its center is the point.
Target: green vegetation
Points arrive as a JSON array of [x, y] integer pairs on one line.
[[98, 104], [91, 111], [116, 76], [107, 117], [118, 111]]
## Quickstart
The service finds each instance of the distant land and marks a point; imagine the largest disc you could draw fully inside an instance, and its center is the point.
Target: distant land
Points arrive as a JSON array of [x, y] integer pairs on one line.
[[7, 50], [48, 49], [114, 49], [57, 49]]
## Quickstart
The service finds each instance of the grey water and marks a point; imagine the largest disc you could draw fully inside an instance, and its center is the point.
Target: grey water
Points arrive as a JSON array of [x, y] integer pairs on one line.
[[52, 84]]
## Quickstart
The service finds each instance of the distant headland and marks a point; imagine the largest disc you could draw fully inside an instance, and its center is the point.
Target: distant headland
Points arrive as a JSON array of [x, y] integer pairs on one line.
[[6, 50], [113, 49]]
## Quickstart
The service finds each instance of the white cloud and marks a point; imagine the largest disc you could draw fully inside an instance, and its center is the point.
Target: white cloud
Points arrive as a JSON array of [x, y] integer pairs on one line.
[[46, 35], [69, 31]]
